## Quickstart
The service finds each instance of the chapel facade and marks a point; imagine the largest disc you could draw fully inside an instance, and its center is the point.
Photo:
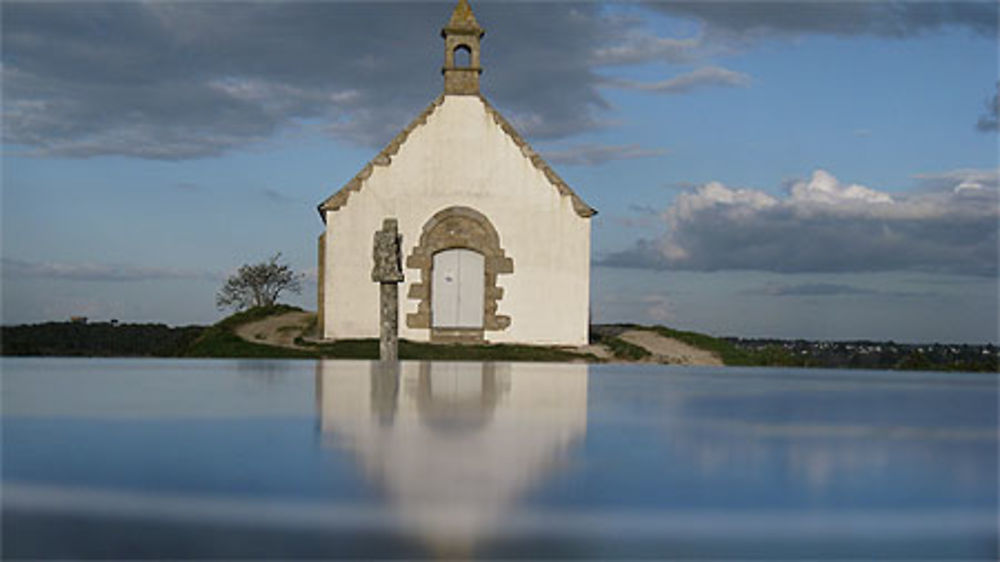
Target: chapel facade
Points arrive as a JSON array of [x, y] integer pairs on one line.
[[496, 246]]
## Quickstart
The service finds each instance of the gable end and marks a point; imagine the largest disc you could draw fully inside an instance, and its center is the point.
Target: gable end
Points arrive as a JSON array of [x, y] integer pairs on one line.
[[582, 209], [383, 158]]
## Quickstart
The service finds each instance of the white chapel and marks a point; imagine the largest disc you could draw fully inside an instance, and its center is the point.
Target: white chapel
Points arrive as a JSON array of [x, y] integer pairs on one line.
[[495, 245]]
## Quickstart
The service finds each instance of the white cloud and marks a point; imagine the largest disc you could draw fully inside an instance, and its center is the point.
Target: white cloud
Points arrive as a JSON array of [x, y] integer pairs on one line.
[[177, 80], [596, 154], [89, 271], [825, 225], [193, 79], [700, 78], [743, 21], [639, 47], [823, 289], [959, 180]]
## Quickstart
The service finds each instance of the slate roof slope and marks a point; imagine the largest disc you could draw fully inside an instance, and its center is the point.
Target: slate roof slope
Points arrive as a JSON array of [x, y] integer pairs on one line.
[[384, 158]]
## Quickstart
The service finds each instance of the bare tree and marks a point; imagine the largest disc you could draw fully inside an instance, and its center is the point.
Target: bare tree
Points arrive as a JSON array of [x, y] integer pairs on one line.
[[258, 284]]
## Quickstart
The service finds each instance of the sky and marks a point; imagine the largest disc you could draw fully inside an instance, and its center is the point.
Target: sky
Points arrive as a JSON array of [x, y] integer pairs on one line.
[[821, 170]]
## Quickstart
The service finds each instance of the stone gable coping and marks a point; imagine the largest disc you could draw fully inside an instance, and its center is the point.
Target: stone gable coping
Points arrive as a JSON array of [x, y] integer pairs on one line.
[[384, 158], [581, 208]]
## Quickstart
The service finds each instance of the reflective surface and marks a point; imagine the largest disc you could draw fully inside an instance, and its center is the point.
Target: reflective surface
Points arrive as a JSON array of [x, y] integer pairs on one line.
[[151, 458]]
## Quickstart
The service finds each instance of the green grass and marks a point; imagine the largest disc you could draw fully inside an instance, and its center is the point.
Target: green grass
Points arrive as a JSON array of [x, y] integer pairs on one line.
[[771, 356], [220, 340], [253, 314], [368, 349], [731, 355], [217, 343], [488, 352], [622, 349]]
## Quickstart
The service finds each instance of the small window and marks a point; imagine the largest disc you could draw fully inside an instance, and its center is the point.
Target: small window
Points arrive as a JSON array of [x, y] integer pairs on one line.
[[463, 56]]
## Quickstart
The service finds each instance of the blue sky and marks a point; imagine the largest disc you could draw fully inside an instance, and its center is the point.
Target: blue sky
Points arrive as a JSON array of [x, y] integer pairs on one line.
[[819, 170]]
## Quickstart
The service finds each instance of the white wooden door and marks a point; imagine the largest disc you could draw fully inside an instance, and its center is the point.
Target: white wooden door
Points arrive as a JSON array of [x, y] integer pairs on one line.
[[457, 289]]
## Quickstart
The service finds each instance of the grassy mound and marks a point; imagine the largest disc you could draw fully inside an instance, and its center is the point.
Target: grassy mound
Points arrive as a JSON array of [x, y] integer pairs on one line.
[[220, 339], [620, 348], [731, 355], [771, 356]]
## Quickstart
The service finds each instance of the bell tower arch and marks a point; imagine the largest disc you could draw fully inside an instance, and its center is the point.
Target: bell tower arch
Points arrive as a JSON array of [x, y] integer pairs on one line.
[[461, 52]]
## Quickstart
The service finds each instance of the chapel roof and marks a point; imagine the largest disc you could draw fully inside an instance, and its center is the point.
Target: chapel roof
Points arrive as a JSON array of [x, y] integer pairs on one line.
[[462, 20], [384, 158]]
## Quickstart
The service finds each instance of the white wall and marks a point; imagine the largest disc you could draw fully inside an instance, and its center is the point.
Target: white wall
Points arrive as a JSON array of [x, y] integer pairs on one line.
[[461, 157]]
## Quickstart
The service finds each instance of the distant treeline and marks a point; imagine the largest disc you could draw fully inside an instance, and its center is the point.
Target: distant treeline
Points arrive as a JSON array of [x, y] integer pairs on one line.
[[98, 339], [875, 355], [742, 352], [106, 339]]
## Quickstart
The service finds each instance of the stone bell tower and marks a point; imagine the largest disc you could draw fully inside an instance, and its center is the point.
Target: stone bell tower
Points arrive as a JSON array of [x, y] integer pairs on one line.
[[461, 52]]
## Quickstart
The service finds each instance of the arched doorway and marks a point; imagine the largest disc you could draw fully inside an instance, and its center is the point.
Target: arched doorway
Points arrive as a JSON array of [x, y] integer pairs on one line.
[[459, 257]]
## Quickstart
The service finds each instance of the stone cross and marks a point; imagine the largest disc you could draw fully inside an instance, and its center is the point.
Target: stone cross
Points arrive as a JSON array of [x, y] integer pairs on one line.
[[388, 273]]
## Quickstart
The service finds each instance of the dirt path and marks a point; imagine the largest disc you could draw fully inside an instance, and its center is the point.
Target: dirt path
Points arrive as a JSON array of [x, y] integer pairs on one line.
[[669, 350], [280, 330]]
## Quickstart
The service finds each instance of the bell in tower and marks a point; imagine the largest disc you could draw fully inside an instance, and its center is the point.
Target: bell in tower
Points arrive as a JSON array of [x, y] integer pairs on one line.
[[461, 52]]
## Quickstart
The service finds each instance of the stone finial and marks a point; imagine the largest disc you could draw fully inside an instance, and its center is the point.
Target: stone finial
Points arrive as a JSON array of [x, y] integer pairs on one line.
[[386, 254], [462, 19]]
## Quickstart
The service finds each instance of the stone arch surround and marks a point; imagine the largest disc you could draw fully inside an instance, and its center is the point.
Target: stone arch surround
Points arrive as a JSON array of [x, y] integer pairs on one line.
[[451, 228]]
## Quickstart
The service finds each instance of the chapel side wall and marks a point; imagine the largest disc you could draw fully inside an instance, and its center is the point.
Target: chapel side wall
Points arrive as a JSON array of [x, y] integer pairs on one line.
[[321, 283], [461, 157]]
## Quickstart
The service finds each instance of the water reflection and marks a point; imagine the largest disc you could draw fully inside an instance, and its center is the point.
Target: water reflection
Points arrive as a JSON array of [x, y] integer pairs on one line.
[[842, 442], [268, 371], [454, 445], [113, 459]]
